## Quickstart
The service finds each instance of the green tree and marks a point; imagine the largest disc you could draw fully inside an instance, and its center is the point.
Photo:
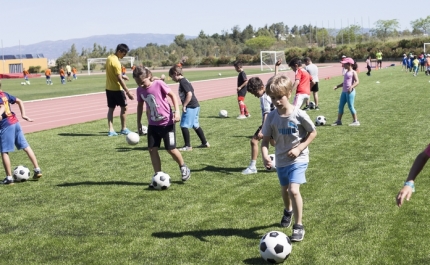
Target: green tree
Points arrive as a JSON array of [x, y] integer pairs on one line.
[[421, 23], [384, 28], [260, 43]]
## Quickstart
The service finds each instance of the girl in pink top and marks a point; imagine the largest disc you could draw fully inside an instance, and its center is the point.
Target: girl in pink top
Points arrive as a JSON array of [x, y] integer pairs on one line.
[[350, 81]]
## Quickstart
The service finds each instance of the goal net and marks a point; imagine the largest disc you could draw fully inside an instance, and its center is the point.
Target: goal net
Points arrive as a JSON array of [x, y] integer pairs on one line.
[[102, 61], [426, 45], [269, 58]]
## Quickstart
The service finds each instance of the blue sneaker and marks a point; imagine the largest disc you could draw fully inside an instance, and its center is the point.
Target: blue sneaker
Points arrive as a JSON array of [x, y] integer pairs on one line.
[[112, 134], [125, 131]]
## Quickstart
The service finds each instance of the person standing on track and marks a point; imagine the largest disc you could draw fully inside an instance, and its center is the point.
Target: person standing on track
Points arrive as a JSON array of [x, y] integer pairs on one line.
[[116, 89]]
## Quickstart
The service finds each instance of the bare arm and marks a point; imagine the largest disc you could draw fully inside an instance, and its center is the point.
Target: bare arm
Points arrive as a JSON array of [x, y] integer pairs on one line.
[[265, 152], [186, 101], [124, 86], [277, 64], [175, 105], [22, 110], [417, 166]]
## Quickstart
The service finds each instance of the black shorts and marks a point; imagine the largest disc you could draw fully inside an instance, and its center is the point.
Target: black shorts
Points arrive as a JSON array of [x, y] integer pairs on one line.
[[379, 61], [116, 98], [315, 88], [167, 133]]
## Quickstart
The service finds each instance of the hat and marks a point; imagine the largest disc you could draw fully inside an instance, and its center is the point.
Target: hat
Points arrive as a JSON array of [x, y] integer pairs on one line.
[[343, 56], [347, 60]]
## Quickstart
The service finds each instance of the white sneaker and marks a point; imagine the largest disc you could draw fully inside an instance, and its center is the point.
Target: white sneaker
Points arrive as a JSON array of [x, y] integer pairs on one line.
[[249, 170], [355, 123], [241, 117]]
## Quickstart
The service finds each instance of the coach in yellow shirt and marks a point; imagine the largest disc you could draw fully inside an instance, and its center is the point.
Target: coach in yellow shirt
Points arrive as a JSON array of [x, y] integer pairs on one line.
[[116, 89], [379, 59]]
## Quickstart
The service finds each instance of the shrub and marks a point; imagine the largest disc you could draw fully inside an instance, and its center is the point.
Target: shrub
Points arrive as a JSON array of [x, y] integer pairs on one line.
[[34, 69], [210, 60]]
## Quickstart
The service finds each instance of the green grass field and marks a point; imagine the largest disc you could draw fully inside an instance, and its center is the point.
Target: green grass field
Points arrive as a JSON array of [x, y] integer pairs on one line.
[[95, 83], [92, 205]]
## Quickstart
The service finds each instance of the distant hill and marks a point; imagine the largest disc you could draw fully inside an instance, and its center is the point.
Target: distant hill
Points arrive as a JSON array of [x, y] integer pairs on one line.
[[54, 49]]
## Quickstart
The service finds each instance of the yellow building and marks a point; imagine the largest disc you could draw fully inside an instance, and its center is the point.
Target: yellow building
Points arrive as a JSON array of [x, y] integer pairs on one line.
[[13, 64]]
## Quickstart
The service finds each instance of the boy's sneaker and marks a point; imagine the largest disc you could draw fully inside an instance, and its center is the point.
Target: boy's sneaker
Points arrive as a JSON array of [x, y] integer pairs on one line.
[[185, 172], [248, 115], [286, 219], [249, 170], [317, 108], [298, 233], [355, 123], [7, 181], [37, 174], [241, 117], [306, 108], [112, 134], [336, 123], [125, 131], [206, 145], [186, 148]]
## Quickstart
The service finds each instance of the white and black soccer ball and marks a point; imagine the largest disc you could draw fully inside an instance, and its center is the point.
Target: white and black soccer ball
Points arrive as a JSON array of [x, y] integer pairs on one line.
[[320, 121], [223, 113], [273, 167], [144, 130], [312, 105], [161, 181], [132, 138], [275, 247], [21, 173]]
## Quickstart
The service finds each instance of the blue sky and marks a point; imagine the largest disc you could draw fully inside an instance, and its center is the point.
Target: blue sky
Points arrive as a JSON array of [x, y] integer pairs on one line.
[[27, 22]]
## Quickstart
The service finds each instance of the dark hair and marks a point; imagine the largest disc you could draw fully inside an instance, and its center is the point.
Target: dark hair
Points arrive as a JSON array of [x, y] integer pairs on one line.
[[122, 48], [175, 69], [295, 61], [141, 71], [307, 59], [238, 64], [354, 65], [254, 85]]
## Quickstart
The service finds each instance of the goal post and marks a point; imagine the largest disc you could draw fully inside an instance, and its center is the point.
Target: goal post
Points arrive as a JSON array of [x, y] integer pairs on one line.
[[426, 45], [269, 58], [103, 61]]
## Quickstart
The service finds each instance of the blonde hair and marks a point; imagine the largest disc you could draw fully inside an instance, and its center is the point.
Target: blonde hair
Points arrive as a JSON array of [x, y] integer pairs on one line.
[[279, 85]]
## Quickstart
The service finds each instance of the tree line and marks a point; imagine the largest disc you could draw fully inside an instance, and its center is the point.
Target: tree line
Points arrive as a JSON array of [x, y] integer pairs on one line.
[[319, 43]]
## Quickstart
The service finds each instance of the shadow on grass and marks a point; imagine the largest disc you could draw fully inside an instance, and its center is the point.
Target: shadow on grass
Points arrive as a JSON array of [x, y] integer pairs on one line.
[[100, 183], [249, 233], [218, 117], [255, 261], [226, 170], [83, 134], [128, 149]]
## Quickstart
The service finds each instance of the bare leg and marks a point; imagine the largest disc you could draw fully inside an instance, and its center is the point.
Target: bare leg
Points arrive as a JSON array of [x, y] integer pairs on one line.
[[6, 164], [177, 156], [297, 202], [155, 159], [123, 117], [31, 156], [286, 198], [110, 119]]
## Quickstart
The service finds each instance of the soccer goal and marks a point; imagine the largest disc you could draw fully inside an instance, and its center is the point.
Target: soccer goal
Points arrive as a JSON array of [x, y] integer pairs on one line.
[[269, 58], [124, 60], [426, 45]]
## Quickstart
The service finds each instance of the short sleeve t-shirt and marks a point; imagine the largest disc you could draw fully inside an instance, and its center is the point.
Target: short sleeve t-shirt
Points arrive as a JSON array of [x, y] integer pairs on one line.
[[304, 78], [288, 132], [113, 69], [312, 69], [158, 110], [241, 78], [8, 117], [185, 87], [266, 105]]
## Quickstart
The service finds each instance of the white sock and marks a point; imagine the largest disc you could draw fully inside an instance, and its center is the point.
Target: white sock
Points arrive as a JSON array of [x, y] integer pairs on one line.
[[253, 163]]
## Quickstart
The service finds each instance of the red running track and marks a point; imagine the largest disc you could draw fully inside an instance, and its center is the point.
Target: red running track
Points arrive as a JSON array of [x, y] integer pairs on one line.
[[58, 112]]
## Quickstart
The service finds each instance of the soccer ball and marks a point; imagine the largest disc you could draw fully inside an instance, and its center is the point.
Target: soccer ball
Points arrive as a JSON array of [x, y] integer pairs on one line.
[[23, 83], [273, 168], [132, 138], [144, 130], [312, 105], [21, 173], [320, 120], [223, 113], [161, 181], [275, 247], [219, 74]]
